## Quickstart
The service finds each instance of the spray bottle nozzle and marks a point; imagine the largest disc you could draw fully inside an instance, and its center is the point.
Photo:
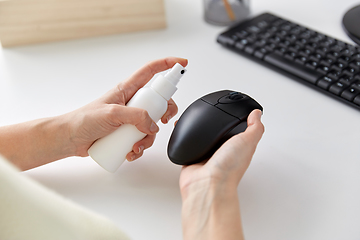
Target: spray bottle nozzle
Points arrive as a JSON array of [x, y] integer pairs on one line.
[[175, 74]]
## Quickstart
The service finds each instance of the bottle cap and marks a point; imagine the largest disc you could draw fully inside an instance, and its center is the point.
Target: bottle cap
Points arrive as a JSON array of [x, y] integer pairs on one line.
[[176, 72], [166, 85]]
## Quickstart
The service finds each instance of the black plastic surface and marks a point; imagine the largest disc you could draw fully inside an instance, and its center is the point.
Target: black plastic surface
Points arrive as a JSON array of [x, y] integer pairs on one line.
[[279, 44], [213, 98], [240, 107], [231, 98], [351, 24], [206, 125]]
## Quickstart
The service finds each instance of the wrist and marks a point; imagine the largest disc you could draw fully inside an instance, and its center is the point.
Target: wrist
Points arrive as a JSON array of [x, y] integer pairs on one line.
[[211, 181], [56, 131], [54, 138], [211, 211], [214, 189], [67, 123]]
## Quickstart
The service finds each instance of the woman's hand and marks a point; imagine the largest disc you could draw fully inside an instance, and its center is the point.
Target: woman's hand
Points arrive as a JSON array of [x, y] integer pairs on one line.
[[231, 160], [209, 189], [109, 112]]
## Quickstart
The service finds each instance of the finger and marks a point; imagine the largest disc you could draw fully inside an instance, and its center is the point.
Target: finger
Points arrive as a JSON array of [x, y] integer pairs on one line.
[[143, 144], [139, 147], [131, 156], [255, 129], [144, 74], [247, 141], [119, 115], [124, 91], [171, 111]]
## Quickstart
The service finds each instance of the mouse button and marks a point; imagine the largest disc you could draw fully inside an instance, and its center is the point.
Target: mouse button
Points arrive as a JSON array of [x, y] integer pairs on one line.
[[240, 109], [232, 97], [241, 127], [213, 98]]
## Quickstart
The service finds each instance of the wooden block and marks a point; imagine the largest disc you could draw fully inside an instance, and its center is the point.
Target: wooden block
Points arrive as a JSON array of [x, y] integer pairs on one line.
[[36, 21]]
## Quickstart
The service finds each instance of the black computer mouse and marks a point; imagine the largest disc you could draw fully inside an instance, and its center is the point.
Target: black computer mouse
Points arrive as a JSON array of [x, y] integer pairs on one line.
[[207, 123]]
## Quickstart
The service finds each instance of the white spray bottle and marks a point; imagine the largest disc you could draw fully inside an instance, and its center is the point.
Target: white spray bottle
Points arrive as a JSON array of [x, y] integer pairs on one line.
[[110, 151]]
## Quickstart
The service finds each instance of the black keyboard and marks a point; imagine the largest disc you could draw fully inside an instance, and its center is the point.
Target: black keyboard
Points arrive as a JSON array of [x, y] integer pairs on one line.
[[322, 62]]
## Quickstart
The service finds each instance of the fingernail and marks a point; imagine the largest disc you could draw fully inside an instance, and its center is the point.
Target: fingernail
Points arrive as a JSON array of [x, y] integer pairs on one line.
[[185, 59], [140, 149], [132, 157], [259, 115], [153, 127], [255, 116], [168, 118]]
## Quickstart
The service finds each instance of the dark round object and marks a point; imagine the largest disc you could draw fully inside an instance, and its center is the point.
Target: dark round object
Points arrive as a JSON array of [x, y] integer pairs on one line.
[[351, 23]]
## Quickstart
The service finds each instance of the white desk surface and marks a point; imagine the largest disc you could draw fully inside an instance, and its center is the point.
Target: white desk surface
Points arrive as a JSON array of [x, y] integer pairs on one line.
[[304, 180]]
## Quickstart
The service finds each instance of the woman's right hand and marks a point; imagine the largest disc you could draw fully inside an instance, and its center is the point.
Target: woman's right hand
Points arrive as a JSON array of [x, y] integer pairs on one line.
[[209, 189]]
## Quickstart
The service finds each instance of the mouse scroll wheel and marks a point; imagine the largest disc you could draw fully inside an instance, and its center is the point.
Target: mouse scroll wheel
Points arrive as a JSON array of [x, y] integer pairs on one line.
[[236, 97], [231, 98]]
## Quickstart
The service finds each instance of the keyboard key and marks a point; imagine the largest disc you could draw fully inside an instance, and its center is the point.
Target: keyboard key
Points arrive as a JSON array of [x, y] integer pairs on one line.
[[355, 64], [337, 48], [333, 55], [337, 88], [334, 74], [263, 24], [242, 34], [356, 85], [226, 40], [322, 50], [305, 52], [316, 57], [270, 47], [294, 68], [260, 43], [347, 52], [295, 48], [338, 66], [241, 44], [260, 53], [301, 41], [325, 82], [323, 69], [350, 93], [278, 22], [280, 51], [301, 60], [356, 57], [253, 29], [290, 55], [250, 49], [357, 100], [346, 79], [311, 46], [291, 38], [312, 64], [327, 62]]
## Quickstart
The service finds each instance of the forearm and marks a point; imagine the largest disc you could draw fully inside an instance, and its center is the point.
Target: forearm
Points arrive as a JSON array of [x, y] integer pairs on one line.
[[211, 211], [37, 142]]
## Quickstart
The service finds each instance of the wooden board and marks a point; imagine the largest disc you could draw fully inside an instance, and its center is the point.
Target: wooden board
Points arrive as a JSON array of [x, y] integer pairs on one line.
[[36, 21]]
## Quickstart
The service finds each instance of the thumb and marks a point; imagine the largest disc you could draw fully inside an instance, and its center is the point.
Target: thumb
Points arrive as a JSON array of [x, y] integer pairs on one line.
[[248, 140], [255, 129]]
